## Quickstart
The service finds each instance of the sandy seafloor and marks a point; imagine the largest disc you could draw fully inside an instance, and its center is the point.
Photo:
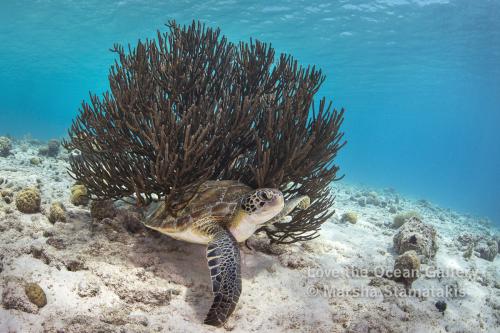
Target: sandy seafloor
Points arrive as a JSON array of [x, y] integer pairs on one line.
[[113, 276]]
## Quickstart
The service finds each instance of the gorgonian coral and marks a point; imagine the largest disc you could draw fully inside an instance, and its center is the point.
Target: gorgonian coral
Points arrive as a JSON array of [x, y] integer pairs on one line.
[[189, 106]]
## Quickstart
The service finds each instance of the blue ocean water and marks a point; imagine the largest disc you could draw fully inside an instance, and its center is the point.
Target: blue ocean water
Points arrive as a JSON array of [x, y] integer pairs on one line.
[[420, 79]]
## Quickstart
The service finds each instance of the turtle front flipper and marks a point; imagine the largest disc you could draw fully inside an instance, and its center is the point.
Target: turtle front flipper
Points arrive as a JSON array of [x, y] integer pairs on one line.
[[223, 256], [300, 202]]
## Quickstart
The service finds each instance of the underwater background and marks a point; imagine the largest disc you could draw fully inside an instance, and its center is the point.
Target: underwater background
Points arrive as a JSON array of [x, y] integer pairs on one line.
[[420, 79]]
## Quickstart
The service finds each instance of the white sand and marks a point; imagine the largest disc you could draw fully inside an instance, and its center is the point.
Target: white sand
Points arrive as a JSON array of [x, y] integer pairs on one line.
[[101, 278]]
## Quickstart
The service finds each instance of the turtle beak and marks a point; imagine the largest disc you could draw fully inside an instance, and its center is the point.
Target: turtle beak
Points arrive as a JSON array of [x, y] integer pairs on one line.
[[278, 201], [281, 200]]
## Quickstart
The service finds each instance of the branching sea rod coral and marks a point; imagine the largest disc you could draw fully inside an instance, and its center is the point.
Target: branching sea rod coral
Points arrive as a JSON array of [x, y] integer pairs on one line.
[[190, 106]]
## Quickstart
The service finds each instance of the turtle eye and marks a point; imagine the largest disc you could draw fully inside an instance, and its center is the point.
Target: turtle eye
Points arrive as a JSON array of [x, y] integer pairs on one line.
[[265, 195]]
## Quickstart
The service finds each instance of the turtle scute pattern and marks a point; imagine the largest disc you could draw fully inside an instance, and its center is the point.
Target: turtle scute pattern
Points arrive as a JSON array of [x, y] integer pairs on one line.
[[213, 195], [223, 258], [214, 199]]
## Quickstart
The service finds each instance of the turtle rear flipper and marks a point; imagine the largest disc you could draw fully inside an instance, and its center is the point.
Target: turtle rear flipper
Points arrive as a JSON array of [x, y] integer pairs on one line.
[[223, 256]]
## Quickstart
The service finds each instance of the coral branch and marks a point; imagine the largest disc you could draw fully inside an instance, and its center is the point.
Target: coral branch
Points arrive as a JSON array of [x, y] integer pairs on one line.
[[190, 106]]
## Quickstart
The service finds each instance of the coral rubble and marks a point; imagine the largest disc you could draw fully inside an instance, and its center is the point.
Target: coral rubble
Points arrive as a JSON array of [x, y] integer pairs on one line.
[[119, 276]]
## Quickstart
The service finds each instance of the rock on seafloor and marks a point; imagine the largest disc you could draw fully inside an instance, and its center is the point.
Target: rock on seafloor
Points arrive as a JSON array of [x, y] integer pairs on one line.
[[406, 268], [15, 297], [487, 249], [418, 236], [35, 294], [102, 209]]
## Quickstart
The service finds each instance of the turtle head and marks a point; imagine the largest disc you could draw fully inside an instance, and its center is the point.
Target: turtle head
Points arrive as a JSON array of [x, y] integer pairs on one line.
[[262, 205]]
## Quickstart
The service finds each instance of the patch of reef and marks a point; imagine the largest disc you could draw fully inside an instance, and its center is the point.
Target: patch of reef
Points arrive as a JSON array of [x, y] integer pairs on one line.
[[100, 256]]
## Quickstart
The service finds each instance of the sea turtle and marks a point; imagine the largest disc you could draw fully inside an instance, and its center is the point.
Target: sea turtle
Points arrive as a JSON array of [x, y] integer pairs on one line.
[[222, 214]]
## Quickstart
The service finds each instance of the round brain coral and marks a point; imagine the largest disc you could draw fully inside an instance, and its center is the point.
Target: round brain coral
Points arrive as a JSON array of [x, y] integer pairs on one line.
[[401, 219], [28, 201], [350, 217]]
